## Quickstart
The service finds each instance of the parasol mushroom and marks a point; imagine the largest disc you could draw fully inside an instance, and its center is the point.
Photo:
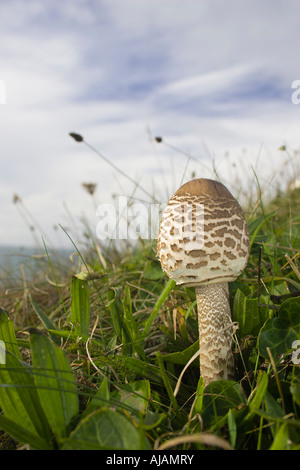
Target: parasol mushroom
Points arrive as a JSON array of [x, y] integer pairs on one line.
[[203, 242]]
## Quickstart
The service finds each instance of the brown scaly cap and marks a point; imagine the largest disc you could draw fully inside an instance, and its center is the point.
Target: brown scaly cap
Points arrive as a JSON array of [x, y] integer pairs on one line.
[[203, 236], [202, 186]]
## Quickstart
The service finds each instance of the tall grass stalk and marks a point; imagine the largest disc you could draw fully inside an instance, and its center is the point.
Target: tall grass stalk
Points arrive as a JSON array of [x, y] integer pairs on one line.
[[110, 383]]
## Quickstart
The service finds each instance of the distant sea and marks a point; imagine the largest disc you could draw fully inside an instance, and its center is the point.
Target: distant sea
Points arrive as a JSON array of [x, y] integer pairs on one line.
[[16, 261]]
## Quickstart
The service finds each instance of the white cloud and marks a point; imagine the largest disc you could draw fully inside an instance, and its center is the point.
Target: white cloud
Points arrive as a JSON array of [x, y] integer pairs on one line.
[[208, 82], [211, 78]]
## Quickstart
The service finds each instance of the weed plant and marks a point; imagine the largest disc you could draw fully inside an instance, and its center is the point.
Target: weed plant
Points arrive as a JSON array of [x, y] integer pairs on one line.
[[95, 357]]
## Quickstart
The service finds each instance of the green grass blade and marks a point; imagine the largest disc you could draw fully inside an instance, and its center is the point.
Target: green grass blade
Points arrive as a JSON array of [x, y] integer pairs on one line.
[[48, 324], [257, 224], [7, 333], [54, 277], [162, 298], [167, 384], [66, 334], [80, 306], [55, 384], [115, 309], [262, 385], [232, 428], [131, 325]]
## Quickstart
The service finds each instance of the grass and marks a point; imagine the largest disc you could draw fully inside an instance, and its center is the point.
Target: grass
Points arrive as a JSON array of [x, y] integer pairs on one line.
[[94, 355]]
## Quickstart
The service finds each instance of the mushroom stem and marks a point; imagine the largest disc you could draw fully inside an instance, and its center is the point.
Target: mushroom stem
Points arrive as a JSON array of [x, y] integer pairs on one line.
[[215, 332]]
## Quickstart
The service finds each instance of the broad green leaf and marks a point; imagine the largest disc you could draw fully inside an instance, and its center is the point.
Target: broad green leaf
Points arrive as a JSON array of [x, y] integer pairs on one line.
[[290, 312], [272, 406], [19, 399], [99, 400], [249, 317], [23, 435], [281, 440], [80, 306], [183, 357], [219, 397], [280, 332], [277, 336], [134, 396], [106, 429], [7, 333], [274, 410], [152, 419], [55, 383]]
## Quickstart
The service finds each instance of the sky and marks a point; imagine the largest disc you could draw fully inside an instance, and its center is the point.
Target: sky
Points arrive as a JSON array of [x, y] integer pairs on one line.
[[212, 78]]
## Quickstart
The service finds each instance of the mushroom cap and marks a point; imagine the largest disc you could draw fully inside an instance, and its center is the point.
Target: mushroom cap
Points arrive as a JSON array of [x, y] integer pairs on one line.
[[203, 235]]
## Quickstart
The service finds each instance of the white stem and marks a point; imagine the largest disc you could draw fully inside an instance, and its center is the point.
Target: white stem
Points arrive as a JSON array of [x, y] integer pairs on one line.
[[215, 331]]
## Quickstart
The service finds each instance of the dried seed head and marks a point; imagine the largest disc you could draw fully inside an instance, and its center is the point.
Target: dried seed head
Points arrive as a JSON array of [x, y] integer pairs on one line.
[[90, 187], [76, 137]]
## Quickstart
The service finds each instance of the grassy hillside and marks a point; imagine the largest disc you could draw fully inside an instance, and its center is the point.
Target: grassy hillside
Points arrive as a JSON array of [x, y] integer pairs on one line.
[[95, 351]]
